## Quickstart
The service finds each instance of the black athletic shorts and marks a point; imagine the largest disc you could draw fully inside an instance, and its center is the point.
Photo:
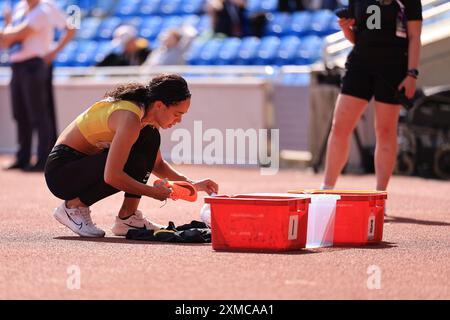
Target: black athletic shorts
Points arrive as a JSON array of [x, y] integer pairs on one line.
[[381, 81]]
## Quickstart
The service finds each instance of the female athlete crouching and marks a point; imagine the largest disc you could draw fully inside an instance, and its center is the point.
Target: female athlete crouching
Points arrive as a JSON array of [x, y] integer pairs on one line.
[[114, 146]]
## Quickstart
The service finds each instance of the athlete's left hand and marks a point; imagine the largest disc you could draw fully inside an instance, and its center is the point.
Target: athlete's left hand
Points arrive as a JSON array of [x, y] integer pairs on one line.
[[409, 83], [207, 185]]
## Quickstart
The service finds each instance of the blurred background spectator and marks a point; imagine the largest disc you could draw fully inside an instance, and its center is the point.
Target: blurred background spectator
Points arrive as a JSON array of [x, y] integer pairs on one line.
[[174, 43], [227, 17], [290, 5], [299, 5], [128, 48]]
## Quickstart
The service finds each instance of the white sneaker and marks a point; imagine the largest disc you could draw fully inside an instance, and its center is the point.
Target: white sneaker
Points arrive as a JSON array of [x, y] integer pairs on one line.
[[78, 220], [136, 221]]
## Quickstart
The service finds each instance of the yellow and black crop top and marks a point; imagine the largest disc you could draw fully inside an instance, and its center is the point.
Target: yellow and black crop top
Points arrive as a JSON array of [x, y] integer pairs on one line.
[[93, 123]]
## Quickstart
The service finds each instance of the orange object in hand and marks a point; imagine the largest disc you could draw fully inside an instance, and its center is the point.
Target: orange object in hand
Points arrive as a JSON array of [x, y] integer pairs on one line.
[[180, 190]]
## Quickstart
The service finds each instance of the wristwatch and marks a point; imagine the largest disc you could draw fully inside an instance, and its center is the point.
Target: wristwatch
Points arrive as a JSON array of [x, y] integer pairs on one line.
[[413, 73]]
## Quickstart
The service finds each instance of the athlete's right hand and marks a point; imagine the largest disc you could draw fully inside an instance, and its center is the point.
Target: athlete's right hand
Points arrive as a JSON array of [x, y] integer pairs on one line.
[[160, 192], [346, 23]]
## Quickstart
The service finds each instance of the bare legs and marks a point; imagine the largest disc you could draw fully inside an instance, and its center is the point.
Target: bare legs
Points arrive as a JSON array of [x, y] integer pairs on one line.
[[386, 120], [346, 116]]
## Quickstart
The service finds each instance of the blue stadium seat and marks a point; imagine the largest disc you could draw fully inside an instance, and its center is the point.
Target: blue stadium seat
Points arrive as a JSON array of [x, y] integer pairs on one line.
[[191, 6], [103, 49], [204, 23], [102, 8], [66, 56], [150, 27], [301, 23], [267, 51], [136, 22], [191, 19], [4, 58], [193, 54], [59, 3], [278, 24], [171, 22], [2, 6], [321, 21], [88, 28], [150, 7], [229, 51], [210, 52], [287, 51], [334, 25], [253, 6], [268, 5], [85, 54], [248, 51], [84, 5], [107, 27], [310, 50], [126, 8], [170, 7]]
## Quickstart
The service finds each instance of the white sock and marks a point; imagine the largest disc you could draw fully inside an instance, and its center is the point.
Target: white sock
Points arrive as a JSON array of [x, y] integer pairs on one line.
[[323, 186]]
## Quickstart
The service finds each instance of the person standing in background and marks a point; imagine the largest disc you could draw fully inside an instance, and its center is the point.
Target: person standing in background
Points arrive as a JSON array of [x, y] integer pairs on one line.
[[61, 23], [384, 60], [29, 34]]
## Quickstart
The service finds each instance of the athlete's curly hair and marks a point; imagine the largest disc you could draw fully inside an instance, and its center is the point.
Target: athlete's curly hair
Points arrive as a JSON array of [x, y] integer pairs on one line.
[[170, 89]]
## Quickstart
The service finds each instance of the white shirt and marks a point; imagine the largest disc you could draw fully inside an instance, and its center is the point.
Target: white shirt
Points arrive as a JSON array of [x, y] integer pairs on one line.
[[43, 19], [58, 17]]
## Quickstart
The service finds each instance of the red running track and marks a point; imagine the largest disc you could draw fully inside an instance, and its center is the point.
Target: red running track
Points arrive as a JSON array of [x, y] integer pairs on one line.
[[36, 252]]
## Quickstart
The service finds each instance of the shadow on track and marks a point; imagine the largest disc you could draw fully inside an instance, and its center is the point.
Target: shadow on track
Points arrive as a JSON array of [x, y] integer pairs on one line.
[[121, 240], [393, 219]]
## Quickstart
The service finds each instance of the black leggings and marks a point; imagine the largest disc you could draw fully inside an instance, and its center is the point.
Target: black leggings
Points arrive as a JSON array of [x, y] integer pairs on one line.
[[71, 174]]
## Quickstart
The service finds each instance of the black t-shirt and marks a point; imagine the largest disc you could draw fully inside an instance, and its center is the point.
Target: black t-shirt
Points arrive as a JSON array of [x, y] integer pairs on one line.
[[384, 37]]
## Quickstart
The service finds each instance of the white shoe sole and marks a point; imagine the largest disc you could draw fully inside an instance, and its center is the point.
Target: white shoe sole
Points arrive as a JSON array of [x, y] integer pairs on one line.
[[63, 219], [117, 231], [122, 231]]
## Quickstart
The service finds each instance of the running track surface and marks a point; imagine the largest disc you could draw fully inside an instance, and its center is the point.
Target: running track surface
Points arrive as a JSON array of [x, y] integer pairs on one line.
[[36, 251]]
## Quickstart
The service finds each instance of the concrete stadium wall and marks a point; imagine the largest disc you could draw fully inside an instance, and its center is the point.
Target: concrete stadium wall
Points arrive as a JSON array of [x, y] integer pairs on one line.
[[218, 104], [435, 57]]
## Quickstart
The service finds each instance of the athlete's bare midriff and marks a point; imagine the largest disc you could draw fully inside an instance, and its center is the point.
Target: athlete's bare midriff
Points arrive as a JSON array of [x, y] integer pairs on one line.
[[72, 137]]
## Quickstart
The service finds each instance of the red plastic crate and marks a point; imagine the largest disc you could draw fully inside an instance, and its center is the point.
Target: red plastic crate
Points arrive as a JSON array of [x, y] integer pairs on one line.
[[258, 223], [359, 215]]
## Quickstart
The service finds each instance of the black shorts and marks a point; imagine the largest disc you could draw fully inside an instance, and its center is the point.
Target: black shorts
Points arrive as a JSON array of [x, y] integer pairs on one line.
[[380, 82], [71, 174]]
